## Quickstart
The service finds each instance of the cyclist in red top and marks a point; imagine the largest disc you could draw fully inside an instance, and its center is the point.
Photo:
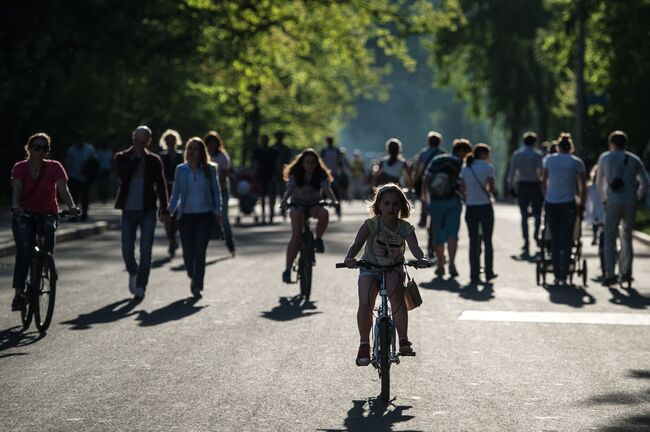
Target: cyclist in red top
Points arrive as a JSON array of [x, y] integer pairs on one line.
[[35, 182]]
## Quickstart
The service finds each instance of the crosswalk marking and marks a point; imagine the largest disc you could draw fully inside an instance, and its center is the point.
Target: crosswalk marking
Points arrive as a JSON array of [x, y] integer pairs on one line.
[[558, 317]]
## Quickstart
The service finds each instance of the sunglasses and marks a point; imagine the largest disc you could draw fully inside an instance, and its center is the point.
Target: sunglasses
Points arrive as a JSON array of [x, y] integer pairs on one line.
[[40, 147]]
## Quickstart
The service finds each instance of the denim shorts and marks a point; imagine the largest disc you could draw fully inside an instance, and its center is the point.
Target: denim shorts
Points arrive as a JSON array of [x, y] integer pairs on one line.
[[445, 218]]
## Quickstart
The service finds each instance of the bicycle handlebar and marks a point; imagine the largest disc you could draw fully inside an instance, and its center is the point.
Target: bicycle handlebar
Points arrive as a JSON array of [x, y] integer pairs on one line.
[[371, 265]]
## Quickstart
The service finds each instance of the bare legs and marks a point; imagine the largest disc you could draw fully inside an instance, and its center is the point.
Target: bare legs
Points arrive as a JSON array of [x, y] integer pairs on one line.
[[368, 290], [297, 222]]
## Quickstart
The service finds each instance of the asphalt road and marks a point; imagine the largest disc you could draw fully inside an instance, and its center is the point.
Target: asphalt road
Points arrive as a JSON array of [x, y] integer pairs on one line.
[[510, 357]]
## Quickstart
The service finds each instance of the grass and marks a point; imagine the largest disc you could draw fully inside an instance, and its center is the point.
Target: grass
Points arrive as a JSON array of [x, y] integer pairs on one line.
[[642, 222]]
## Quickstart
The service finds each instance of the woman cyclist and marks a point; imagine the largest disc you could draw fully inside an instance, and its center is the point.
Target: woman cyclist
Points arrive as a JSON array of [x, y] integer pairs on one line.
[[35, 182], [307, 179], [385, 235]]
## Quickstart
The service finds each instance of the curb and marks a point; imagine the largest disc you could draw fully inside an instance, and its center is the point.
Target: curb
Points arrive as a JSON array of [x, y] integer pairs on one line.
[[642, 237], [63, 235]]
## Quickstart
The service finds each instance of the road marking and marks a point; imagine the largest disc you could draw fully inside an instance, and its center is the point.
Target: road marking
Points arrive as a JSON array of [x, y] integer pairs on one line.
[[558, 317]]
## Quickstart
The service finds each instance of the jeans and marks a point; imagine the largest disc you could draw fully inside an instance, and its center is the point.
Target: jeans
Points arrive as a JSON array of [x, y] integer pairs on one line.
[[615, 214], [529, 194], [195, 231], [131, 220], [480, 216], [561, 219], [24, 231]]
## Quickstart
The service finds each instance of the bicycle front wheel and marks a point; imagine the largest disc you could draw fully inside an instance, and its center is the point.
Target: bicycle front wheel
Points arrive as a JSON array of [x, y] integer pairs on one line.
[[384, 358], [45, 293], [306, 263], [27, 312]]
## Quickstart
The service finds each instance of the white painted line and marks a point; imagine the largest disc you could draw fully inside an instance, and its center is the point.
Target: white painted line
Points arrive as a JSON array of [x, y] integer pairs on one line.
[[558, 317]]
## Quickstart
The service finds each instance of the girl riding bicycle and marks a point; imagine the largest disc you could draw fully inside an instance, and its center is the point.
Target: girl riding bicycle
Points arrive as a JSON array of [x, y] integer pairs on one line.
[[385, 235], [307, 179]]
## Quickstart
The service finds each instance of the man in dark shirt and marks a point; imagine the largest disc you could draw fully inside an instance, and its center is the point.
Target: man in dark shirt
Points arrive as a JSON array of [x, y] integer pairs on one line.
[[264, 169], [141, 194]]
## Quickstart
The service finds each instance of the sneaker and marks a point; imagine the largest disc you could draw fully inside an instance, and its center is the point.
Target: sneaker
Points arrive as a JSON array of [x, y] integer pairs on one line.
[[490, 276], [286, 276], [609, 281], [440, 271], [139, 293], [363, 356], [626, 279], [133, 280], [405, 348], [319, 246], [452, 271], [18, 303]]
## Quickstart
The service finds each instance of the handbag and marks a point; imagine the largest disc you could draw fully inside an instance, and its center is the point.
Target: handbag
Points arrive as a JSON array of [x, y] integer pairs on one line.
[[412, 297]]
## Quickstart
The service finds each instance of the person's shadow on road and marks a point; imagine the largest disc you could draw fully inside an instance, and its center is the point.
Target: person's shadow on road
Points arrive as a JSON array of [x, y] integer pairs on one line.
[[629, 297], [376, 417], [172, 312], [478, 292], [15, 337], [441, 284], [290, 308], [570, 295], [107, 314]]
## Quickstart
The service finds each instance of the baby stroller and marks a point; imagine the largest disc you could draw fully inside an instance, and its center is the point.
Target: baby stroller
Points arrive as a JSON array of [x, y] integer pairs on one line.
[[246, 193], [544, 264]]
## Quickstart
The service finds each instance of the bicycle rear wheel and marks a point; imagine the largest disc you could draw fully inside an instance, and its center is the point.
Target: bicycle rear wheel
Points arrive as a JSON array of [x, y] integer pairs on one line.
[[27, 312], [384, 358], [45, 294], [305, 265]]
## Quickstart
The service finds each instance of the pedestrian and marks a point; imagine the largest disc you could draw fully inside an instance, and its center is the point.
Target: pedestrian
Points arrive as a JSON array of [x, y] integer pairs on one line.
[[426, 155], [393, 166], [81, 163], [385, 235], [219, 155], [478, 187], [358, 176], [142, 189], [171, 156], [563, 179], [35, 182], [283, 158], [264, 169], [525, 183], [443, 191], [104, 168], [622, 183], [307, 180], [595, 216], [333, 159], [196, 202]]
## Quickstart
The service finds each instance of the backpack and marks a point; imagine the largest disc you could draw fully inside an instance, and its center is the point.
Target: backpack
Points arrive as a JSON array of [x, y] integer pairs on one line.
[[440, 185]]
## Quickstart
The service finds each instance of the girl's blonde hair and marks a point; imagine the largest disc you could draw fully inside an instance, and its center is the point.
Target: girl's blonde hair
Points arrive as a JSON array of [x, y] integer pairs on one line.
[[163, 143], [405, 206]]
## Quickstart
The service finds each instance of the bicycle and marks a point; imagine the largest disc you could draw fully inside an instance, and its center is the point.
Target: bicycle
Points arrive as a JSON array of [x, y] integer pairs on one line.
[[384, 351], [306, 259], [40, 287]]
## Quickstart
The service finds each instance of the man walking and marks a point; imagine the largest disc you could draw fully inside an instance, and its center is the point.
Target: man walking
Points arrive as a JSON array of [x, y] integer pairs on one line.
[[141, 193], [82, 166], [525, 182], [622, 183], [442, 188], [426, 155]]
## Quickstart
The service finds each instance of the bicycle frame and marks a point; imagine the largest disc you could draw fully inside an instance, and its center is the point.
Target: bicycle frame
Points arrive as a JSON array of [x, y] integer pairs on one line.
[[383, 314]]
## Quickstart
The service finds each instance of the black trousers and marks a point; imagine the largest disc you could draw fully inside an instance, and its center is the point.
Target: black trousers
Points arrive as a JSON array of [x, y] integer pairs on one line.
[[195, 234], [529, 194], [561, 219], [480, 225], [80, 191]]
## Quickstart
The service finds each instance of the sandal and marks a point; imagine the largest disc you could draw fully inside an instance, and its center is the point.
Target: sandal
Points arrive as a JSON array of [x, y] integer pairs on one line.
[[363, 356], [405, 348]]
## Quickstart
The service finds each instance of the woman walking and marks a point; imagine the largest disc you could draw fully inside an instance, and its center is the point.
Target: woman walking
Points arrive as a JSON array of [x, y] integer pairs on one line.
[[171, 156], [196, 202], [478, 185]]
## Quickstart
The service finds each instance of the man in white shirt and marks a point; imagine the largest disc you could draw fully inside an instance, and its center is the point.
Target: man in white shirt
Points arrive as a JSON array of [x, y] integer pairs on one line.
[[81, 164], [622, 183]]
